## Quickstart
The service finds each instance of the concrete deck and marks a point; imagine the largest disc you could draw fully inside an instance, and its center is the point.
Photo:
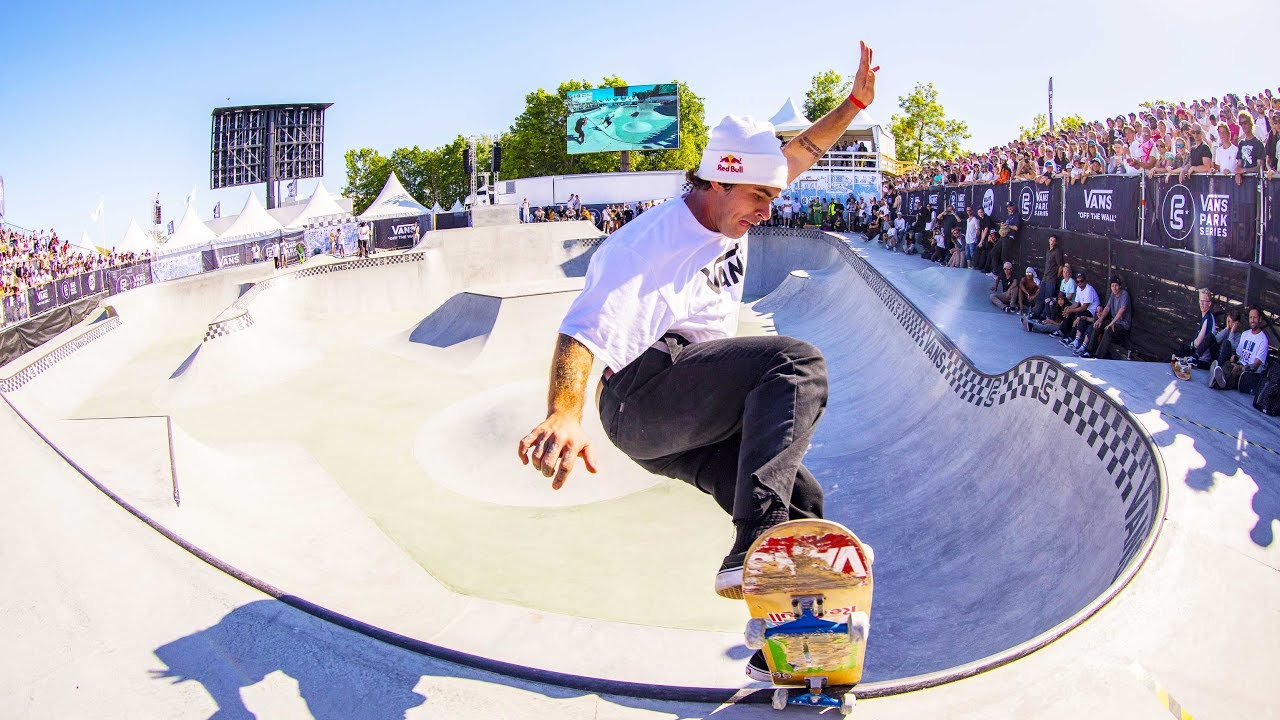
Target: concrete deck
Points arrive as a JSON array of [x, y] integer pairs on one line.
[[361, 477]]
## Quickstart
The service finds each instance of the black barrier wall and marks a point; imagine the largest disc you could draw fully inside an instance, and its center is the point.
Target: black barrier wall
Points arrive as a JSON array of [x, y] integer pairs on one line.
[[1162, 284]]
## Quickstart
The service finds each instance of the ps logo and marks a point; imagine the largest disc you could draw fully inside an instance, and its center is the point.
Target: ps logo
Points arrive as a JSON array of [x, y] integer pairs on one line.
[[1025, 202], [1177, 212]]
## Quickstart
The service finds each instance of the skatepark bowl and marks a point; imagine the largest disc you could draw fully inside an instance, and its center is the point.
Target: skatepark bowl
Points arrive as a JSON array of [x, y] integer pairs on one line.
[[342, 436]]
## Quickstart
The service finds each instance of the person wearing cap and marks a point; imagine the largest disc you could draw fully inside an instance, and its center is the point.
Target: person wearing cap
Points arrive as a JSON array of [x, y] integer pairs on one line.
[[1114, 321], [1004, 289], [681, 394], [1006, 245], [1084, 307]]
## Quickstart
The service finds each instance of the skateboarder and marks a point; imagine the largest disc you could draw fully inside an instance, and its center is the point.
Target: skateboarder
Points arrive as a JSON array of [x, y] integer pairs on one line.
[[681, 395]]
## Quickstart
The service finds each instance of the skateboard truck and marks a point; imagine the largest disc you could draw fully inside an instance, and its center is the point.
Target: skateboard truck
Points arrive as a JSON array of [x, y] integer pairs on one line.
[[813, 604], [814, 697]]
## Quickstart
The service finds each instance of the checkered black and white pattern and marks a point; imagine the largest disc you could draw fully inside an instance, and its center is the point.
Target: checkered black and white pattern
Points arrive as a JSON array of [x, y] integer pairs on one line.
[[243, 320], [62, 352], [1123, 449]]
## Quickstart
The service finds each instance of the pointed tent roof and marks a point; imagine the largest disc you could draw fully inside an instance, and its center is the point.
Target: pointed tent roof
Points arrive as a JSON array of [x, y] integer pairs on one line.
[[252, 221], [134, 241], [789, 118], [321, 204], [457, 206], [393, 202], [190, 233], [862, 120], [436, 209]]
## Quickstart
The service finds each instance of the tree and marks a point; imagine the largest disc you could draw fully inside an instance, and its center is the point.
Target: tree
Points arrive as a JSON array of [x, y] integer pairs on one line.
[[367, 172], [1040, 126], [923, 132], [827, 89]]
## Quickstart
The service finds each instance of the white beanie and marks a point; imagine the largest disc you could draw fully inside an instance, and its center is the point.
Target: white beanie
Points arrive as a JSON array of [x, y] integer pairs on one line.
[[743, 150]]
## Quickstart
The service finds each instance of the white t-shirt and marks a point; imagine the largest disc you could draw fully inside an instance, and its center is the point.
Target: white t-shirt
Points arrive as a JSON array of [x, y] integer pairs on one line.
[[1225, 159], [1252, 346], [663, 272], [1088, 297], [971, 231]]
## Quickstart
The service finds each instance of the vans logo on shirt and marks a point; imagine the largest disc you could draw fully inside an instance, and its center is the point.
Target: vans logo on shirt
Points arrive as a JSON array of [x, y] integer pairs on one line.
[[725, 271]]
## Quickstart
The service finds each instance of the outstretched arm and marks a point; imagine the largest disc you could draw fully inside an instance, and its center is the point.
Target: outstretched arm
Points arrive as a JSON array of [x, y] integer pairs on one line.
[[560, 439], [804, 149]]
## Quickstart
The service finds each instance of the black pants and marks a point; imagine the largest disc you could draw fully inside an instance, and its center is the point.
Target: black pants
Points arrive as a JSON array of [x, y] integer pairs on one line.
[[726, 417], [1207, 348]]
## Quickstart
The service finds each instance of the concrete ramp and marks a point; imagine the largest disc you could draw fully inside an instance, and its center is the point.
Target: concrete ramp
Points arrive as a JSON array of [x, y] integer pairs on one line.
[[496, 325], [1002, 508]]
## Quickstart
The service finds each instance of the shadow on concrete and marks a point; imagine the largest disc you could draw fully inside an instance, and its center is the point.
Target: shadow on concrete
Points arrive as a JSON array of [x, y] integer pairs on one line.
[[343, 674], [263, 637]]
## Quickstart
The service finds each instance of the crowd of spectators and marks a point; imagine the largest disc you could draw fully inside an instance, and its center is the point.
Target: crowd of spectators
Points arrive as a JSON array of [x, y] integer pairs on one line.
[[607, 218], [1233, 135], [30, 260]]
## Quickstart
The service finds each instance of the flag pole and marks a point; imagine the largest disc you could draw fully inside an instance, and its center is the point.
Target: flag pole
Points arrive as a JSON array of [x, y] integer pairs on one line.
[[1050, 103]]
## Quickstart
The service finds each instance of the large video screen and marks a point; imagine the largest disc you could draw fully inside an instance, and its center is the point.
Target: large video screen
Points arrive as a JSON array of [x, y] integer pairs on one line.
[[639, 117]]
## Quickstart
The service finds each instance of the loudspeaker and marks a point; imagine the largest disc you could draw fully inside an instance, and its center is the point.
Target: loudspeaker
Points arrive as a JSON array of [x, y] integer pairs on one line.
[[497, 158]]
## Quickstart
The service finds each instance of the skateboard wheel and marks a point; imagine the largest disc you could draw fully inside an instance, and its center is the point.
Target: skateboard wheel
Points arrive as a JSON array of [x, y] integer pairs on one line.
[[754, 634], [780, 699], [846, 703], [859, 627]]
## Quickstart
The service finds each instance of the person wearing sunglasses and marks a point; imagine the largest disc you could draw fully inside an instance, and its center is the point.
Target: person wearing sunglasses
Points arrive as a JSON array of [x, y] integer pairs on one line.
[[1201, 159]]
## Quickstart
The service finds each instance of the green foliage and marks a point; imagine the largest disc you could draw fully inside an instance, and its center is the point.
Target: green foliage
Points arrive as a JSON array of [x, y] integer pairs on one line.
[[827, 89], [1040, 125], [430, 176], [534, 146], [923, 132], [367, 172]]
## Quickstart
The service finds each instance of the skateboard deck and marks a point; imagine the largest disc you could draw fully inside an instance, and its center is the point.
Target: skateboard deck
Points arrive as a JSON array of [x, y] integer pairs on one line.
[[808, 588], [1181, 368]]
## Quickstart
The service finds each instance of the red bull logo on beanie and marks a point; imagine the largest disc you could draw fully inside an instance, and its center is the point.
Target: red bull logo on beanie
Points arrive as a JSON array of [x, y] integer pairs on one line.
[[730, 163]]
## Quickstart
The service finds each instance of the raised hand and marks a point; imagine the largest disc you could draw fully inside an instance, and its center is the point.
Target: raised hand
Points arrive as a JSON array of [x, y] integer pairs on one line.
[[864, 84]]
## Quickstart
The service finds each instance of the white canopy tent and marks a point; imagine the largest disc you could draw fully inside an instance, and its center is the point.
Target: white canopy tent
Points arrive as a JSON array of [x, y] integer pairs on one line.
[[789, 119], [457, 207], [190, 234], [134, 241], [321, 206], [253, 222], [393, 202]]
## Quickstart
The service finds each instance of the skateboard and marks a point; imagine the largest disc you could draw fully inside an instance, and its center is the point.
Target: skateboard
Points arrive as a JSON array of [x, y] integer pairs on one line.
[[808, 586], [1181, 367]]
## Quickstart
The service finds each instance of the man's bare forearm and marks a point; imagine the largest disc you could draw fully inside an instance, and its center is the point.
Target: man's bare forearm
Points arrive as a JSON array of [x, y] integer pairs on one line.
[[569, 370], [804, 149]]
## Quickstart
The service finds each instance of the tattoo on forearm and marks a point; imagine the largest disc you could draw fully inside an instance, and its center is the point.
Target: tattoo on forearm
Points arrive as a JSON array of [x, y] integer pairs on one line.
[[807, 145], [569, 372]]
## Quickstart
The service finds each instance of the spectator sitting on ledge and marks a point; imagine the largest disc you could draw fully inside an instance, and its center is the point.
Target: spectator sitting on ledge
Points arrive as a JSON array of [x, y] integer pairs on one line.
[[1025, 296], [1118, 311], [1202, 349], [1251, 359], [1085, 307], [1002, 292]]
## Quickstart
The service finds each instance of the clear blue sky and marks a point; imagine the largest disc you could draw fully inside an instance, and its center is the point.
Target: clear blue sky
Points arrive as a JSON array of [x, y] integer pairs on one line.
[[98, 101]]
